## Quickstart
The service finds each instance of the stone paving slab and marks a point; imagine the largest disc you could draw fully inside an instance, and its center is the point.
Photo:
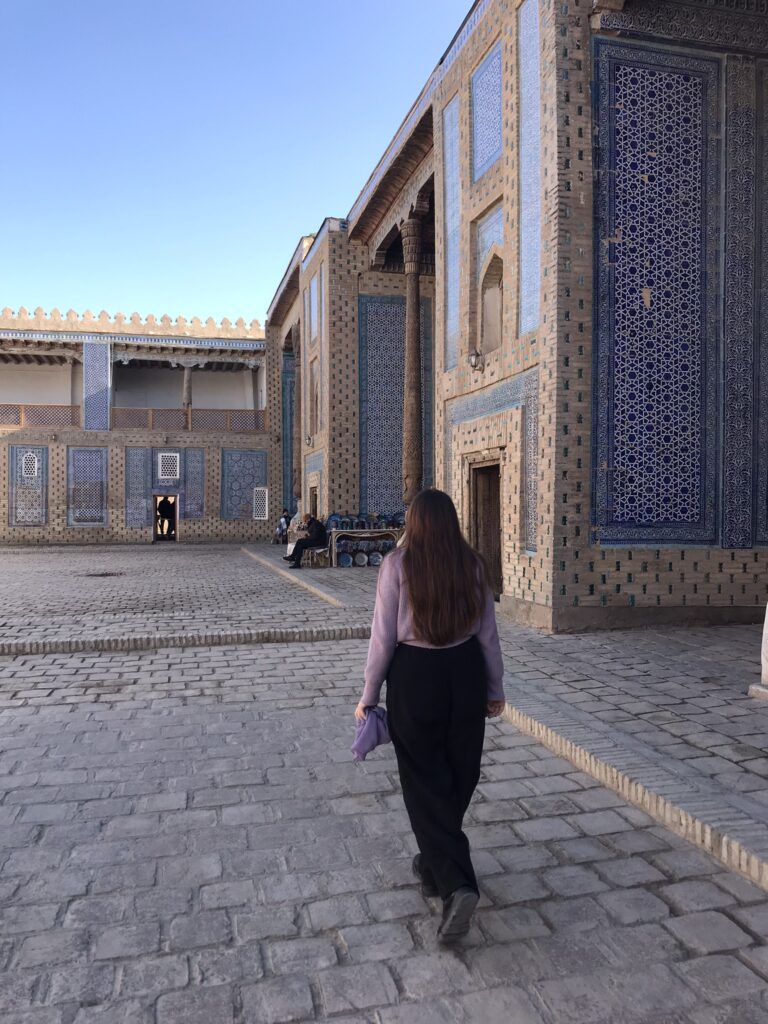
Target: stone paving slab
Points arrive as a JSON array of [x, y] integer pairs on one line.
[[662, 716], [137, 597], [184, 838]]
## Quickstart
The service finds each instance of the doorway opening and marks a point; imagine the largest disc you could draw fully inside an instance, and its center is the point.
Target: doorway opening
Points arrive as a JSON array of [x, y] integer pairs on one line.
[[313, 502], [486, 520], [166, 516]]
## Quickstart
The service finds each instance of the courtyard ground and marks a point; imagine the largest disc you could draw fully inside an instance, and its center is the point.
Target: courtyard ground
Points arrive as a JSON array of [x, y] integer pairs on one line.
[[184, 838]]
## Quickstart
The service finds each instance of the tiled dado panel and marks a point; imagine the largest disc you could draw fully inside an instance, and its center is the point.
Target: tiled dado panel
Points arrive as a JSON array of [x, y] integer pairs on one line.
[[87, 487], [520, 391], [657, 324], [530, 165], [28, 485], [241, 471], [382, 354], [287, 396], [97, 384]]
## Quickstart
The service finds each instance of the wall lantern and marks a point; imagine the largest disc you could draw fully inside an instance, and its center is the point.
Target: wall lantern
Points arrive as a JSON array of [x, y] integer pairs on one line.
[[476, 360]]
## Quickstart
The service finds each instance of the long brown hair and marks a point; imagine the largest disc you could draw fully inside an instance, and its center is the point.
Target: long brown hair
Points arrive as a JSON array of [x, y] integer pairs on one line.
[[446, 578]]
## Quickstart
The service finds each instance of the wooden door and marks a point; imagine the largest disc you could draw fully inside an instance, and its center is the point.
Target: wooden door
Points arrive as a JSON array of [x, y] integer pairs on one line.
[[486, 520]]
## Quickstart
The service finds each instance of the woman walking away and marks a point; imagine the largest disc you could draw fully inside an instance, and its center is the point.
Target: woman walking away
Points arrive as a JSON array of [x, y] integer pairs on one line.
[[434, 640]]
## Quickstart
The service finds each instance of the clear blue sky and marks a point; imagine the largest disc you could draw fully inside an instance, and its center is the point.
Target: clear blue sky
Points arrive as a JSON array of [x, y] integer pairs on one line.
[[164, 156]]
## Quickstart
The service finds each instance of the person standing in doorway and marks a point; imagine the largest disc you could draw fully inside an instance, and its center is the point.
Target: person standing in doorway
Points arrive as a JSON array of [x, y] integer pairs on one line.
[[165, 515], [434, 640]]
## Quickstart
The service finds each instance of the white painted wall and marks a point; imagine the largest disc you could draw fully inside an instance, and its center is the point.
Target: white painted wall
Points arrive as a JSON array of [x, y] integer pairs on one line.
[[161, 388], [37, 385]]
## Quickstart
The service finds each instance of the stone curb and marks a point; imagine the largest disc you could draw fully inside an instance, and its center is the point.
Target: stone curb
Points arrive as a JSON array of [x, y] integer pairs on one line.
[[717, 836], [152, 641]]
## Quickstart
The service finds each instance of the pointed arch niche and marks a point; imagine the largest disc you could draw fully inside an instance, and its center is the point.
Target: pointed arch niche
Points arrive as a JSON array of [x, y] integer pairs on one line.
[[490, 301]]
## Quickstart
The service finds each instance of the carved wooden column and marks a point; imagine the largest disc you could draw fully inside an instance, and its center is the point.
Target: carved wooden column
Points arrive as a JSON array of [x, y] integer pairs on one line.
[[410, 232], [186, 389], [297, 437]]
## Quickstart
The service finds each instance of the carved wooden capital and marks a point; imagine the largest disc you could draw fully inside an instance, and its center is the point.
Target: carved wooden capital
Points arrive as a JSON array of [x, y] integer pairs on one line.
[[410, 232]]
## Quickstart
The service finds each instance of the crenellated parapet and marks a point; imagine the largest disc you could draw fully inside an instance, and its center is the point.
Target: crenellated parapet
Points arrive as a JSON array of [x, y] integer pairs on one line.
[[119, 323]]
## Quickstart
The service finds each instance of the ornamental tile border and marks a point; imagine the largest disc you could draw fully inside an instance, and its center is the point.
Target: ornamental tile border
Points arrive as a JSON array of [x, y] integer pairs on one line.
[[737, 29], [739, 294], [761, 286]]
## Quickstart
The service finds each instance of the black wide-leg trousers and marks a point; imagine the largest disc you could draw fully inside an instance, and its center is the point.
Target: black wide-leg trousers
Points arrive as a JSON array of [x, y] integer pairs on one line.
[[436, 704]]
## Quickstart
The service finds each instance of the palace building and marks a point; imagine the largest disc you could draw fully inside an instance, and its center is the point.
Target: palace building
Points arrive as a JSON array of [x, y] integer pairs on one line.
[[123, 430], [550, 299]]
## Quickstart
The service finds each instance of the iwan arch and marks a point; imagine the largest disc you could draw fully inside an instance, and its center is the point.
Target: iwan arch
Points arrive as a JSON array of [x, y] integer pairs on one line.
[[551, 299]]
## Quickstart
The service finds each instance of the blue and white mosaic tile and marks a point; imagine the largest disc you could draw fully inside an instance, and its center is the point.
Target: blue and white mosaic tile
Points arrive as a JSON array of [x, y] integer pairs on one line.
[[489, 232], [87, 487], [486, 111], [241, 471], [138, 487], [657, 323], [28, 485], [97, 384], [530, 164], [452, 229], [382, 349]]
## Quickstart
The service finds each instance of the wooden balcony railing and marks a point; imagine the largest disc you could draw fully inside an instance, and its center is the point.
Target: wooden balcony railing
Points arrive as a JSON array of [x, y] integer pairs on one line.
[[39, 415], [200, 420]]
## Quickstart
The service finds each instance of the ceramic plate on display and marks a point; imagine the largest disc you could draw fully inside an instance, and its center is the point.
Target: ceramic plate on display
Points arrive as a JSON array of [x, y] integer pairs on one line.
[[345, 560], [374, 558], [361, 558]]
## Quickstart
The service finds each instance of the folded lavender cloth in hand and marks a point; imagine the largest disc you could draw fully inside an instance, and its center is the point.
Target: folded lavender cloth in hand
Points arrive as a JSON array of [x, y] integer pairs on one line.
[[370, 732]]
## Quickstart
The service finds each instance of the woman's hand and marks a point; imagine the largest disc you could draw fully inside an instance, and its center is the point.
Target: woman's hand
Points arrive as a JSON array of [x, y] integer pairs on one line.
[[494, 708], [360, 711]]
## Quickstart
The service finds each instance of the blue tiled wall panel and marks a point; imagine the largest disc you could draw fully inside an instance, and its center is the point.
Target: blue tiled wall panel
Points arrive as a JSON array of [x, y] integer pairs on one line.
[[87, 487], [288, 385], [97, 384], [657, 325], [452, 229], [138, 487], [193, 490], [490, 232], [486, 113], [382, 346], [28, 485], [530, 164], [241, 471]]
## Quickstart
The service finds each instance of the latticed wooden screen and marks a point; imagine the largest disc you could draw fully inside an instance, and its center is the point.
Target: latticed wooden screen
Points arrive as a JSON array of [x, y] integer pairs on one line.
[[260, 503]]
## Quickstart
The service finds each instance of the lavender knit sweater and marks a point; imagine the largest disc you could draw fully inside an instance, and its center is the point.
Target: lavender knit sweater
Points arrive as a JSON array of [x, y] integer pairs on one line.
[[393, 625]]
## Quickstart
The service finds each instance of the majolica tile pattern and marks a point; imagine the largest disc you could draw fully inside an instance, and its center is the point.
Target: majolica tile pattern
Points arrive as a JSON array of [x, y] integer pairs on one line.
[[490, 232], [656, 471], [241, 471], [486, 113], [193, 497], [138, 487], [97, 380], [288, 389], [452, 229], [87, 486], [382, 343], [28, 475], [530, 164]]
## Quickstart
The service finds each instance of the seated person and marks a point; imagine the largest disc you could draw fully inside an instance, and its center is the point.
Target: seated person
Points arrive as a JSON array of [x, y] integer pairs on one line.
[[314, 537]]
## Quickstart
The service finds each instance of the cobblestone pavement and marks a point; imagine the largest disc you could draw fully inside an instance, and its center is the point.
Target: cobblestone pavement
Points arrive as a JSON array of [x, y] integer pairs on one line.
[[184, 840], [56, 593]]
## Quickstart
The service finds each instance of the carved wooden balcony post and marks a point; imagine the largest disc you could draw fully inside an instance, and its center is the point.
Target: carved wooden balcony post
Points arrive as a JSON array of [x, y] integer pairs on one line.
[[412, 435]]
